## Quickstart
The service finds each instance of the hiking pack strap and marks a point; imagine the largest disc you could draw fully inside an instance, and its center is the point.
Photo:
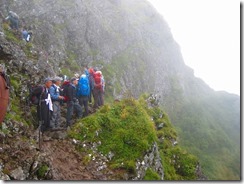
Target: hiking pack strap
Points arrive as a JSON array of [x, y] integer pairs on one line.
[[43, 89]]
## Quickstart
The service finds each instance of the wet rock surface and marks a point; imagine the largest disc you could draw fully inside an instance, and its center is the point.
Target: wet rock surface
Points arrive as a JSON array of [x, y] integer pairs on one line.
[[58, 159]]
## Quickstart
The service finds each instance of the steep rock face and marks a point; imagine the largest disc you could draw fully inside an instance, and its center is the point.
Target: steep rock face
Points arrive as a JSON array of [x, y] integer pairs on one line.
[[110, 32], [133, 46]]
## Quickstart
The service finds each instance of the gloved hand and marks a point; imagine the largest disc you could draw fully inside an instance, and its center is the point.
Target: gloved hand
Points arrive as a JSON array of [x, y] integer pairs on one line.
[[75, 100]]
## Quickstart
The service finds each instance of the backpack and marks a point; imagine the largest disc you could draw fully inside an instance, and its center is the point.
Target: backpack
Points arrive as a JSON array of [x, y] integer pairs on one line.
[[91, 78], [64, 90], [34, 96], [83, 88], [13, 14], [98, 80]]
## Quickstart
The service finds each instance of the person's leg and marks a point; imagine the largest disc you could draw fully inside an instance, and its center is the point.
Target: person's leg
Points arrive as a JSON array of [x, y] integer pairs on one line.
[[90, 96], [70, 108], [78, 109], [58, 119], [85, 102], [11, 23], [95, 98], [45, 115], [17, 24], [102, 98], [80, 102], [54, 115], [99, 98]]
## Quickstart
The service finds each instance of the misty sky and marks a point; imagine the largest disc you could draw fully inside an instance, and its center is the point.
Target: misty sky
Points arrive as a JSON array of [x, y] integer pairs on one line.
[[208, 32]]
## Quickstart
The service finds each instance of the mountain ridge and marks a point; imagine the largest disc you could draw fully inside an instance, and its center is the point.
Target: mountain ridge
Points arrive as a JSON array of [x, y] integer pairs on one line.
[[128, 40]]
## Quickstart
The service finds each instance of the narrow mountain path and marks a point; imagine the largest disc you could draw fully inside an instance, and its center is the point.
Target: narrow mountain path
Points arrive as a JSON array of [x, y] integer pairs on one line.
[[67, 163]]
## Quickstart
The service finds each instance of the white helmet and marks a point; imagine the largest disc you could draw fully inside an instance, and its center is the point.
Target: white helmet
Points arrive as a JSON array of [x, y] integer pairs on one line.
[[83, 76], [99, 72]]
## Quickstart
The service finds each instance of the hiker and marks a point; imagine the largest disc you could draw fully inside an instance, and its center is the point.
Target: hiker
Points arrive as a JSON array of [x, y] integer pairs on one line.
[[98, 89], [101, 94], [14, 20], [83, 91], [91, 83], [44, 107], [103, 91], [64, 89], [72, 102], [56, 99], [86, 71], [26, 35]]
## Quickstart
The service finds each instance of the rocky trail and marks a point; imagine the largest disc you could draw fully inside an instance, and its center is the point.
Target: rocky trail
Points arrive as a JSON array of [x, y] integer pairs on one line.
[[58, 158], [69, 164], [66, 162]]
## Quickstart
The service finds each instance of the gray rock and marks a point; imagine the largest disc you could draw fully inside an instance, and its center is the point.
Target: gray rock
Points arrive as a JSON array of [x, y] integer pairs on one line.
[[110, 155], [18, 174], [160, 126], [4, 177], [151, 160]]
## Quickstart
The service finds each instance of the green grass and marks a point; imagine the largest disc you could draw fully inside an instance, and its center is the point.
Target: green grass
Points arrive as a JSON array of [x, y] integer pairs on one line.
[[10, 35], [151, 175], [124, 129], [127, 130], [42, 171], [177, 163], [16, 112]]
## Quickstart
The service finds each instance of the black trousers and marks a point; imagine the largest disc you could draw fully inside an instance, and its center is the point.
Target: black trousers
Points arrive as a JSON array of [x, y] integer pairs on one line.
[[83, 101], [44, 116]]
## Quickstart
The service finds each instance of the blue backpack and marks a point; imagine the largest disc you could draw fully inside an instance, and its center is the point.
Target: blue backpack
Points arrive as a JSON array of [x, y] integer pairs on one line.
[[83, 88]]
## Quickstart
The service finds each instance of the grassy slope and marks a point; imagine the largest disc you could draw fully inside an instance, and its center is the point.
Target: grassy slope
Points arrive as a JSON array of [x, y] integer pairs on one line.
[[126, 129], [208, 129]]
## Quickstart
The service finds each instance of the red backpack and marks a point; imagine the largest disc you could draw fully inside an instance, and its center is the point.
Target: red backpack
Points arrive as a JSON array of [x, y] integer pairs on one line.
[[98, 80], [64, 90]]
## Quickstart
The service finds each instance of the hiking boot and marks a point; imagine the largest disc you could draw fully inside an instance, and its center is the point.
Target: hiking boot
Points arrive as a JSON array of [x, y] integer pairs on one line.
[[53, 129], [46, 138]]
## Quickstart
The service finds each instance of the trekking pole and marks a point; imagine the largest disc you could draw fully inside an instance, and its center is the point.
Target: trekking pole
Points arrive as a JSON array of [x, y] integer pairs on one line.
[[40, 124], [41, 120]]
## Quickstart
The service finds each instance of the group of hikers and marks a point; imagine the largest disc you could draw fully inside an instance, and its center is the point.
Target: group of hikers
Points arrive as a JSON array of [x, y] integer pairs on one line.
[[13, 19], [76, 92]]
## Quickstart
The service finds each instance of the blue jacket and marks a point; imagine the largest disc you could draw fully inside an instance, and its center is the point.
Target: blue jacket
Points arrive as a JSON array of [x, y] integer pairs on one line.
[[24, 34], [54, 92]]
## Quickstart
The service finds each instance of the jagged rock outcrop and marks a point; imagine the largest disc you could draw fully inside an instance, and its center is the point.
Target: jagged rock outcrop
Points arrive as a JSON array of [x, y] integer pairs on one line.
[[151, 160]]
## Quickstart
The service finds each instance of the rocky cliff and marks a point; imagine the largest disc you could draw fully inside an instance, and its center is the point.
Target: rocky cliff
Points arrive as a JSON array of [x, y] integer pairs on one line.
[[129, 35], [133, 46]]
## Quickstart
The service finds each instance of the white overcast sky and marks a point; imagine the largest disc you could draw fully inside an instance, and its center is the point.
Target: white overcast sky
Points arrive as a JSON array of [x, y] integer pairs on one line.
[[208, 32]]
